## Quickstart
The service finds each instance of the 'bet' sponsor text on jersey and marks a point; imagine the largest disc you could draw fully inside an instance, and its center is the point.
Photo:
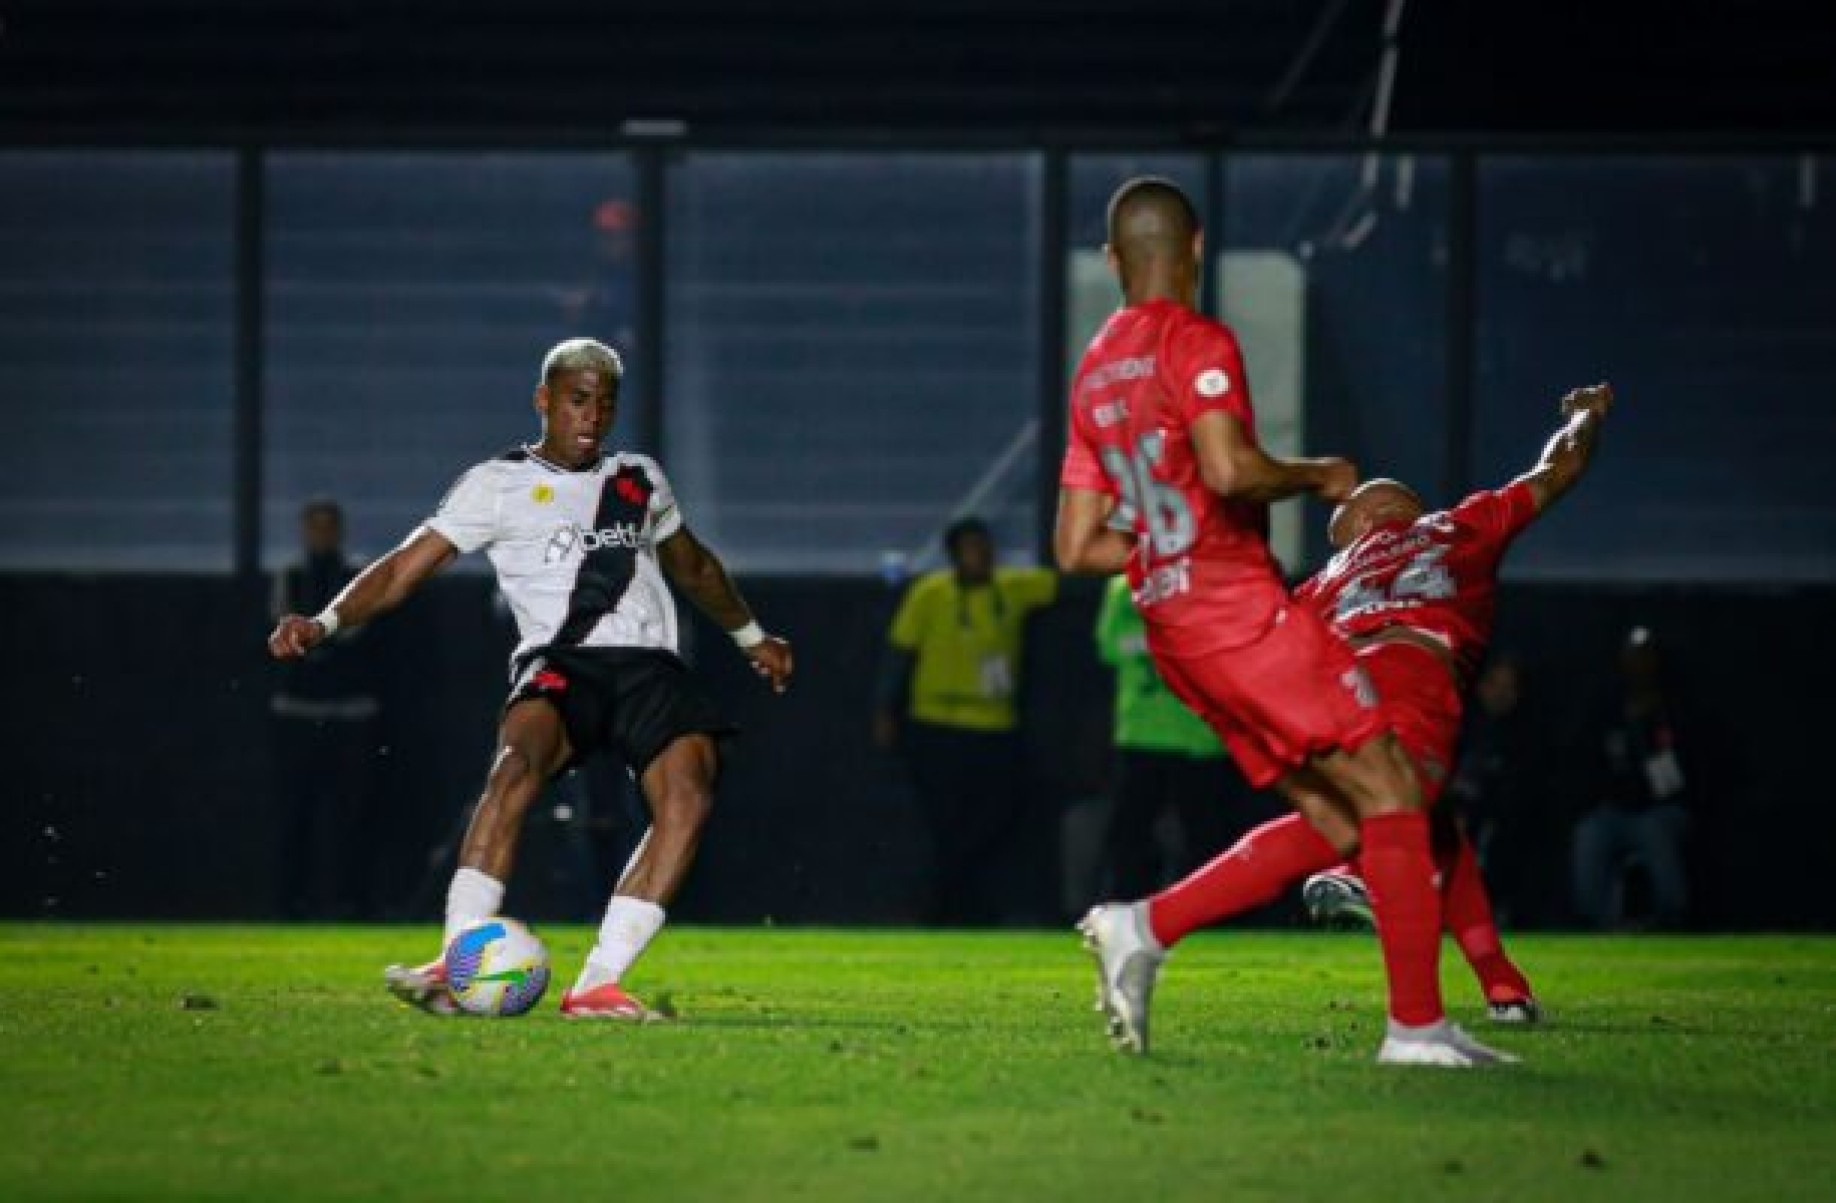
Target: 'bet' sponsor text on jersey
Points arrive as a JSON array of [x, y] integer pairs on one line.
[[571, 537], [574, 550]]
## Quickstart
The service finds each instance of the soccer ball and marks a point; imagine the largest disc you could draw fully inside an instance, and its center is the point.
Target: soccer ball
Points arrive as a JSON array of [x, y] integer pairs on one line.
[[496, 967]]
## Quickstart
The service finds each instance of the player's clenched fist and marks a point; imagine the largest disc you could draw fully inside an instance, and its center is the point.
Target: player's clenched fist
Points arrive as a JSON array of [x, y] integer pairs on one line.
[[1597, 398], [771, 658], [1338, 477], [294, 636]]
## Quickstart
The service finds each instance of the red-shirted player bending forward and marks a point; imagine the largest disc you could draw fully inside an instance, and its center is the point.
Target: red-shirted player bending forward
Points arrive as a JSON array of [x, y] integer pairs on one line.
[[1164, 477], [1414, 594]]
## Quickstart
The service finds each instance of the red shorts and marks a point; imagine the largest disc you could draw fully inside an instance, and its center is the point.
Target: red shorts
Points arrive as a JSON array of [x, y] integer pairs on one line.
[[1295, 692], [1422, 704]]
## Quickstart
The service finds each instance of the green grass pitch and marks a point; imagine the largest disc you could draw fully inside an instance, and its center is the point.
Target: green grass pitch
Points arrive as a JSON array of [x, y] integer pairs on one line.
[[821, 1065]]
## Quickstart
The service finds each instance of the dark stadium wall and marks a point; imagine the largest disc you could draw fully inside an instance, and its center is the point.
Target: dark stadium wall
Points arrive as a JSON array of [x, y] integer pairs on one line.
[[139, 773]]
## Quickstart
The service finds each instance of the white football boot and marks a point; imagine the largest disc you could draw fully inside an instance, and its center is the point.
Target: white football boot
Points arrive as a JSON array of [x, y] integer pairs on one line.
[[1334, 897], [1515, 1012], [1442, 1045], [422, 987], [1128, 965]]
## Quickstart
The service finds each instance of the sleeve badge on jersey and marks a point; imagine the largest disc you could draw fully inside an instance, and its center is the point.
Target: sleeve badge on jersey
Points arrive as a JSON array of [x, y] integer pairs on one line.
[[631, 489], [1212, 382]]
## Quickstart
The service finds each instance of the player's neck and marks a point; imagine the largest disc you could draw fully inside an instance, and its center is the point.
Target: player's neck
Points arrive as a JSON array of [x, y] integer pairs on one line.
[[1159, 286], [566, 458]]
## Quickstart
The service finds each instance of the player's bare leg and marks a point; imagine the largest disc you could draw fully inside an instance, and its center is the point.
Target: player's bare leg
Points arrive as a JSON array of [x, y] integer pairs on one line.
[[1380, 783], [531, 747], [679, 788]]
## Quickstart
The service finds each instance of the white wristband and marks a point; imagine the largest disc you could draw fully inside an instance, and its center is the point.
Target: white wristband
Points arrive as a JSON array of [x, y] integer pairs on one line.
[[748, 636], [328, 619]]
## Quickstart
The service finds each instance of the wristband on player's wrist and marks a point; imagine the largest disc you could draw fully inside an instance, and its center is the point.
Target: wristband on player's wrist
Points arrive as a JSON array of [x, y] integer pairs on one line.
[[328, 621], [748, 636]]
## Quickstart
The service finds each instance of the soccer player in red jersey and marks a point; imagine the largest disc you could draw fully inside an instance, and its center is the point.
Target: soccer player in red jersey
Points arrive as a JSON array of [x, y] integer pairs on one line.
[[1163, 477], [1414, 593]]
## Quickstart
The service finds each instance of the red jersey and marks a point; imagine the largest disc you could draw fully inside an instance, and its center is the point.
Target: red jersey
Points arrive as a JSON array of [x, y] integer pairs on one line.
[[1438, 575], [1201, 573]]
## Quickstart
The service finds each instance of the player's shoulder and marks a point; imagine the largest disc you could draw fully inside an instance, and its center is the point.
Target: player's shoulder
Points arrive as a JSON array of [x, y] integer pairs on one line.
[[513, 461], [505, 468], [1189, 326], [1201, 347], [1482, 508], [635, 461]]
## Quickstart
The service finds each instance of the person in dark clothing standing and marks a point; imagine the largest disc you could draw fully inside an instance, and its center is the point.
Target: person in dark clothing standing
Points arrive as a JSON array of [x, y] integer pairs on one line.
[[1494, 785], [1640, 794], [325, 733]]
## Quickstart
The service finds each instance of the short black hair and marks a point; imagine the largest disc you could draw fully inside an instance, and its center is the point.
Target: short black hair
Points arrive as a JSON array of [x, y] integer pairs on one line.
[[1153, 193], [963, 528], [323, 505]]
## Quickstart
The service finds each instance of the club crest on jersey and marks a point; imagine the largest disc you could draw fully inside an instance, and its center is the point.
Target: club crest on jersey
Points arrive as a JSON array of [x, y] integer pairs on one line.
[[631, 489], [1212, 382], [572, 537], [542, 494]]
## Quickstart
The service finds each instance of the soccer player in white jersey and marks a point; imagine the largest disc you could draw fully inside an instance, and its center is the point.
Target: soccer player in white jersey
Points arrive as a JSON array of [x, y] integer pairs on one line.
[[581, 543]]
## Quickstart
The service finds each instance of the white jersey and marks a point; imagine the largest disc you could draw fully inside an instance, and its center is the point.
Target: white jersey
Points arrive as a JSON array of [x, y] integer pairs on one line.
[[575, 550]]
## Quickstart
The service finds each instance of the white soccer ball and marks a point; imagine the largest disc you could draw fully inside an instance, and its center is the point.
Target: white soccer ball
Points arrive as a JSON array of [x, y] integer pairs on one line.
[[496, 967]]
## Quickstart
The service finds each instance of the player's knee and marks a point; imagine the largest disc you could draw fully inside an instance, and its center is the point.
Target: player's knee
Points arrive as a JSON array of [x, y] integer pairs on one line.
[[684, 806], [1324, 816], [1336, 829], [1377, 779], [514, 780]]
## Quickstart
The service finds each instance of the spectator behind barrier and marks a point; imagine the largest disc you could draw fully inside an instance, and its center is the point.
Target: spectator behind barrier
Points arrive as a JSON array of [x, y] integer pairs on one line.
[[1638, 789]]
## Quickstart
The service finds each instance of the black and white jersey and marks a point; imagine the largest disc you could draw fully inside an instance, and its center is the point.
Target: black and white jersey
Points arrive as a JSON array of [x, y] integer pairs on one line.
[[575, 550]]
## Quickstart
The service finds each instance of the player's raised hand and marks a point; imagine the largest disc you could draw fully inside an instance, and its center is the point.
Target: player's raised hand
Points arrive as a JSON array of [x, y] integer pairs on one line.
[[771, 658], [1338, 477], [294, 636], [1595, 398]]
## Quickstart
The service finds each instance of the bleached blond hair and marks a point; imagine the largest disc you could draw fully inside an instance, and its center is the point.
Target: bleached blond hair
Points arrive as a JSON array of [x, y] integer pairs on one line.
[[582, 355]]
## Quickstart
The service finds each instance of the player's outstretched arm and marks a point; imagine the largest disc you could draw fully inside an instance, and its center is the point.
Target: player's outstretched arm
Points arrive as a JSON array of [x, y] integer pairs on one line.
[[1568, 452], [699, 573], [1083, 541], [1234, 467], [376, 590]]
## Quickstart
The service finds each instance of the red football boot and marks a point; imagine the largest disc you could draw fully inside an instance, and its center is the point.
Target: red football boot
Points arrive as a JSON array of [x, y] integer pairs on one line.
[[605, 1002]]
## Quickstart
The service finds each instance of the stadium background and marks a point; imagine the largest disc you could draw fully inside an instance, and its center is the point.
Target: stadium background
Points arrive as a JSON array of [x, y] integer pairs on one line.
[[247, 256]]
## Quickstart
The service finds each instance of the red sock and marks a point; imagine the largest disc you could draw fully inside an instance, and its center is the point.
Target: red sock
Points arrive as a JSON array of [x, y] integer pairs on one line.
[[1468, 915], [1399, 872], [1255, 870]]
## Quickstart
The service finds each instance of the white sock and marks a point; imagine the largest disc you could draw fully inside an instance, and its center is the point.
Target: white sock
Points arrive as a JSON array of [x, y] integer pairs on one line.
[[1426, 1031], [471, 897], [630, 924]]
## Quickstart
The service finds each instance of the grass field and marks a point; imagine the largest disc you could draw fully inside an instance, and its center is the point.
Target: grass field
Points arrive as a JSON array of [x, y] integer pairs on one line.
[[181, 1062]]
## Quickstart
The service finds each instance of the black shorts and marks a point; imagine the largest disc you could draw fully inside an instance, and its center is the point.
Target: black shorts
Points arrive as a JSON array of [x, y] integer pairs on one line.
[[631, 702]]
